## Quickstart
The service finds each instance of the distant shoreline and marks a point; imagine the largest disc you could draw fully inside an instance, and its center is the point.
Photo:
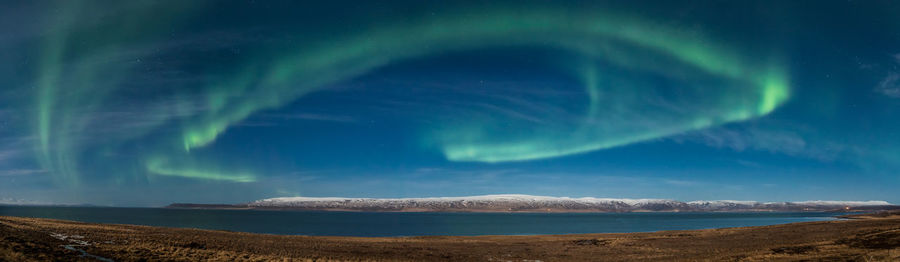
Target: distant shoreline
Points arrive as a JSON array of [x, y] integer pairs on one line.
[[869, 237], [537, 204]]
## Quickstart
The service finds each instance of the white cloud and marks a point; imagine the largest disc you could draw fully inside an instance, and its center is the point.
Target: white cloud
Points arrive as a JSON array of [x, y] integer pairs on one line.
[[18, 201], [890, 85], [21, 172], [313, 117], [676, 182], [12, 148], [755, 138]]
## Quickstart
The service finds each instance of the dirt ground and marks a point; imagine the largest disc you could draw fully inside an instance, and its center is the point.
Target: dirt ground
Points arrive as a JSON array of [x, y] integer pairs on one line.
[[867, 238]]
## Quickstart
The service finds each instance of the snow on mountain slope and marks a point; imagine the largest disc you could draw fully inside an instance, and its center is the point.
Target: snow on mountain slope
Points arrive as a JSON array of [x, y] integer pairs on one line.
[[843, 203], [514, 202]]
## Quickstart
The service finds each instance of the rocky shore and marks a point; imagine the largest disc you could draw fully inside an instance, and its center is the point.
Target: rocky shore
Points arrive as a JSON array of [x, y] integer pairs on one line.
[[866, 238]]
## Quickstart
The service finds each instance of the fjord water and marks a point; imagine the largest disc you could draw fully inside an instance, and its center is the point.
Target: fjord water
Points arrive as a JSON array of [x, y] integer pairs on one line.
[[320, 223]]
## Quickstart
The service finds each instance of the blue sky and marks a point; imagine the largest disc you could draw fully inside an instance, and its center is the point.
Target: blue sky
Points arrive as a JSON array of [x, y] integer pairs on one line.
[[143, 104]]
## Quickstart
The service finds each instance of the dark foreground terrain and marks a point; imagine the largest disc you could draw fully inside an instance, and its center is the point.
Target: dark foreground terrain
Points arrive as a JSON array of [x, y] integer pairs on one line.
[[865, 238]]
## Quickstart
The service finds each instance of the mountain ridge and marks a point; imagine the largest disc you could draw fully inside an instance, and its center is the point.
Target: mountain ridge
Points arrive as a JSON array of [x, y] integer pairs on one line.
[[529, 203]]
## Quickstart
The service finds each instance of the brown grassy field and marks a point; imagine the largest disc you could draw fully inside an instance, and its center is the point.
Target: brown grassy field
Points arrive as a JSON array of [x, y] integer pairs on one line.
[[868, 238]]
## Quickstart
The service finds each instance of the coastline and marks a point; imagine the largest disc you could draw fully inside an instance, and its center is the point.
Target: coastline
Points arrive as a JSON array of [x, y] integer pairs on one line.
[[867, 236]]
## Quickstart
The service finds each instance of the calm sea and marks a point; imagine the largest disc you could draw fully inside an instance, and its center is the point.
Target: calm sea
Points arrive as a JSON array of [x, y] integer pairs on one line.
[[411, 224]]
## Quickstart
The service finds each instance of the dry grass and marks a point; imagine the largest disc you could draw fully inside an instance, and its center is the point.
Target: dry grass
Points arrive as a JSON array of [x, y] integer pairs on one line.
[[868, 239]]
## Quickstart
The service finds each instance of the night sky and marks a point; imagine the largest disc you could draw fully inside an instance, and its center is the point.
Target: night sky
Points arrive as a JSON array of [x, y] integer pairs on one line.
[[144, 103]]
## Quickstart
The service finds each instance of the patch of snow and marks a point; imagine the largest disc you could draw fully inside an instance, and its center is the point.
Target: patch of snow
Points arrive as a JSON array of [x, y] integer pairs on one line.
[[722, 203], [843, 203], [529, 202], [507, 197]]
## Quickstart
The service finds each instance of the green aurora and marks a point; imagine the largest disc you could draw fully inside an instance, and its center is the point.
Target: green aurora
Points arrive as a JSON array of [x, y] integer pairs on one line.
[[721, 83]]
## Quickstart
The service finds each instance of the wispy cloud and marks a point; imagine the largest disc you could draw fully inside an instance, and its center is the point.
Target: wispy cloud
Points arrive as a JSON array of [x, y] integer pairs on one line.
[[128, 119], [748, 163], [7, 155], [312, 117], [890, 85], [515, 100], [21, 172], [14, 147], [676, 182], [434, 171], [507, 112], [19, 201], [741, 138]]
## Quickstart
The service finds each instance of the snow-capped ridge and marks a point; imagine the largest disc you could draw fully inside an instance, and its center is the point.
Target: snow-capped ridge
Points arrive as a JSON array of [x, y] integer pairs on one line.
[[841, 203], [518, 202]]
